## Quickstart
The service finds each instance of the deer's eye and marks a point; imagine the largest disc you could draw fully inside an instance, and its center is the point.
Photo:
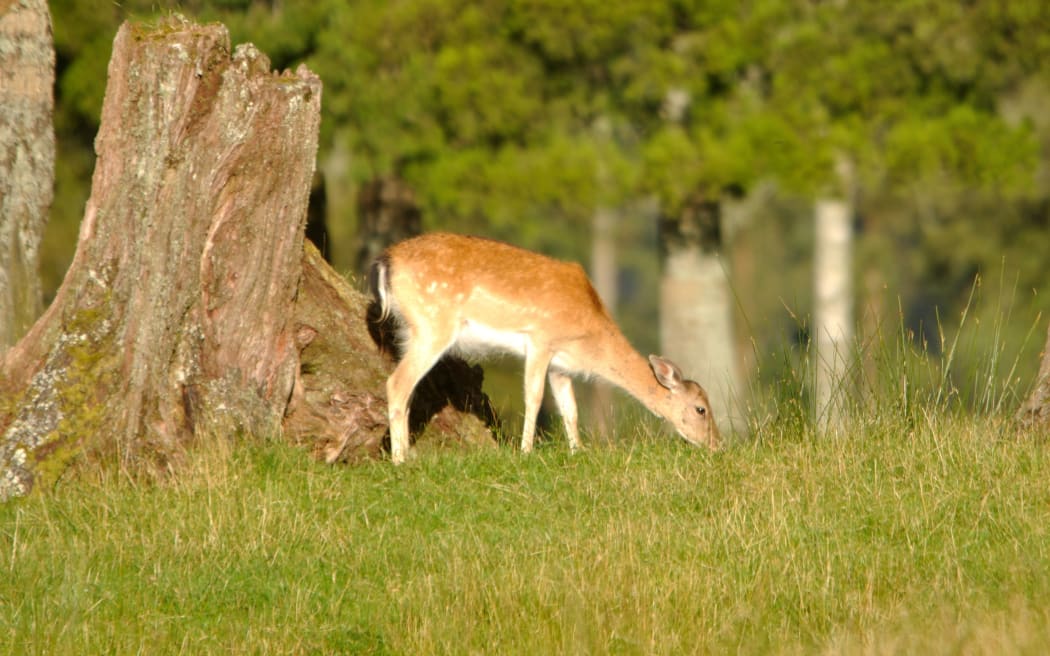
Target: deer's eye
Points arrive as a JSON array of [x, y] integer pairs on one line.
[[701, 410]]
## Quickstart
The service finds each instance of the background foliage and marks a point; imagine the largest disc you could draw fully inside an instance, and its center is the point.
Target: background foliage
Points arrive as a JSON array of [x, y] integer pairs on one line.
[[517, 118]]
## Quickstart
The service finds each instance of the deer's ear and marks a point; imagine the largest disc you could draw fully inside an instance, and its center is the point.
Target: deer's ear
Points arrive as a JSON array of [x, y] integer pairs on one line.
[[668, 375]]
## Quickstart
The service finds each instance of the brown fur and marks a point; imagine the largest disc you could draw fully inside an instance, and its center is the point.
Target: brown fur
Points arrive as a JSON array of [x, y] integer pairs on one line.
[[477, 295]]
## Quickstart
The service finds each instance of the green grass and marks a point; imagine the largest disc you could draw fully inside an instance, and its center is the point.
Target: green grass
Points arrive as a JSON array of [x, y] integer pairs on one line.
[[929, 537]]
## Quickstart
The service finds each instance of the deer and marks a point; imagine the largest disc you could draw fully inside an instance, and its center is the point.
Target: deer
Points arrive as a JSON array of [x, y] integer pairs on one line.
[[471, 296]]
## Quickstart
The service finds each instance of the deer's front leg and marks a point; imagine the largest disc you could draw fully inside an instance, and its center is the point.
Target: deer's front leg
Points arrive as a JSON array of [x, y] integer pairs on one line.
[[536, 362]]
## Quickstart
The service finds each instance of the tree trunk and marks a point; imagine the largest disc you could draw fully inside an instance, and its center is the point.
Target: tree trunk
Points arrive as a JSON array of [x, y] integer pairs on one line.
[[696, 330], [833, 311], [174, 320], [387, 213], [340, 194], [605, 275], [1035, 411], [27, 159]]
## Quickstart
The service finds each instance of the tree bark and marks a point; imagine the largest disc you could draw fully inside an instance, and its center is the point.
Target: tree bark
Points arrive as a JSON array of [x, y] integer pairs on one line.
[[27, 159], [174, 321], [696, 330], [1035, 411]]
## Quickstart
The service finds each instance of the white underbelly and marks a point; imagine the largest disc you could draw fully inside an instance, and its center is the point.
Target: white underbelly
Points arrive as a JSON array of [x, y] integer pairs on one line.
[[477, 339]]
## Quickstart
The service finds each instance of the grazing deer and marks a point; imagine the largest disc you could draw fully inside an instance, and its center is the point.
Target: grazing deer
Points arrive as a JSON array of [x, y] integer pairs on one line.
[[471, 296]]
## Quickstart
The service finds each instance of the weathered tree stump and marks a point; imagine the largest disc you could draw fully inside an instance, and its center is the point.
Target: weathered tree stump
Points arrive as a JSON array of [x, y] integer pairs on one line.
[[179, 319], [174, 319]]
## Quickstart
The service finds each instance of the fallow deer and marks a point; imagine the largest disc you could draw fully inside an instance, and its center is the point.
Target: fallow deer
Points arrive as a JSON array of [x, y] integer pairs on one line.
[[471, 296]]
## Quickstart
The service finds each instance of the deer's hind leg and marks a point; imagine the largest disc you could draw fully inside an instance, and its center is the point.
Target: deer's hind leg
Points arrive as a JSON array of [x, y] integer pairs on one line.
[[421, 350]]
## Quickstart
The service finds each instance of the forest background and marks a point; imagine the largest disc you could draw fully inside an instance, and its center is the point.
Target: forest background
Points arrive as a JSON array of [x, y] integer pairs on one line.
[[522, 120]]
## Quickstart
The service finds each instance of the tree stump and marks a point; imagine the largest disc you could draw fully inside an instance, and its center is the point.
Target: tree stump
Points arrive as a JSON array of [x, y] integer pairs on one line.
[[183, 314], [174, 319]]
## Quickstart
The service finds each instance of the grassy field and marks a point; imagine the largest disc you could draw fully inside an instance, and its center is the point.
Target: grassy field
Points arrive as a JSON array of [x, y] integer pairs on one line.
[[927, 536]]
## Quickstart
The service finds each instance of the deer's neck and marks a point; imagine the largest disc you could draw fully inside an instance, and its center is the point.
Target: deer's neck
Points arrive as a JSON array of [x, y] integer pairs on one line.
[[626, 368]]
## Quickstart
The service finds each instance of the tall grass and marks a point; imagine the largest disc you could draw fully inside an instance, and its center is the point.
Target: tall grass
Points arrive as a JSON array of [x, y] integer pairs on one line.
[[972, 367], [922, 528], [931, 537]]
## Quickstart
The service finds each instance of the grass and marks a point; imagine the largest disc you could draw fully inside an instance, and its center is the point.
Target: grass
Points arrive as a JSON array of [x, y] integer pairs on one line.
[[927, 536]]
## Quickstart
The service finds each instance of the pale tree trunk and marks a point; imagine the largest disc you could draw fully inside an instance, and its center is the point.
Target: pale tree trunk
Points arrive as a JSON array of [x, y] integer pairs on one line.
[[696, 305], [833, 312], [604, 274], [27, 158], [1035, 411]]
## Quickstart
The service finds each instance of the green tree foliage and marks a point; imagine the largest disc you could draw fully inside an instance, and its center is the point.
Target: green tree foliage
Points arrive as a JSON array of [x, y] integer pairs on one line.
[[513, 116], [492, 108], [500, 114]]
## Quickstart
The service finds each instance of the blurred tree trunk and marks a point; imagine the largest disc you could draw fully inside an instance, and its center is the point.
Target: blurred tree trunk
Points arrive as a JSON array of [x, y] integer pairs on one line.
[[339, 196], [27, 159], [696, 330], [387, 213], [833, 310], [605, 275], [833, 321], [317, 216], [1035, 411]]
